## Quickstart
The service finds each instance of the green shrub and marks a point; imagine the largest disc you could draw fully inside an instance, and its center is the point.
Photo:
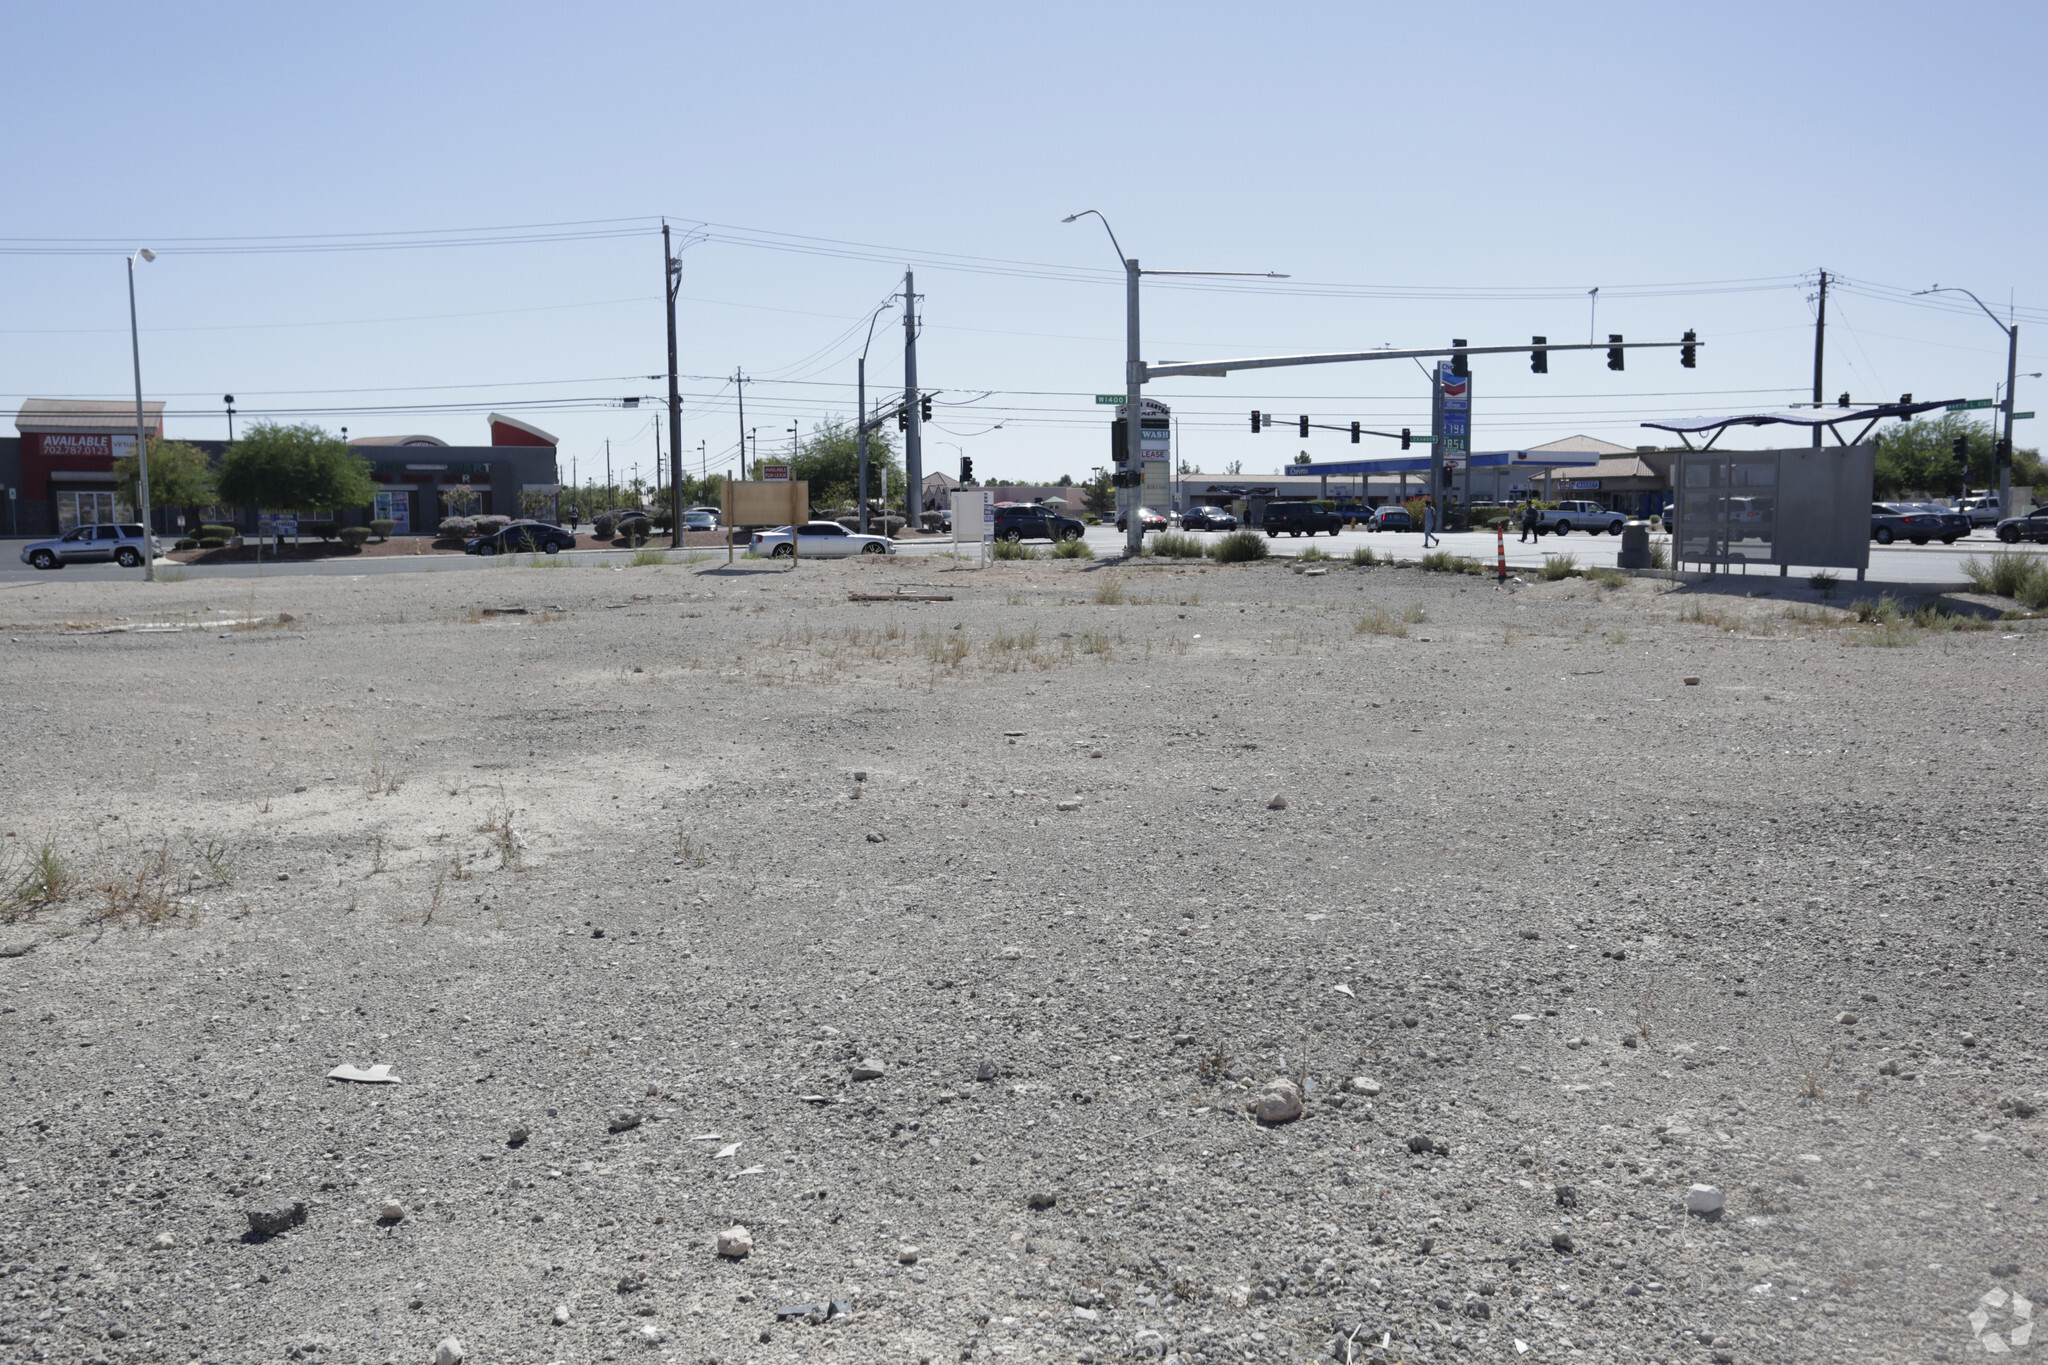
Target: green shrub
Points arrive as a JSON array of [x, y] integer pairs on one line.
[[186, 543], [1560, 566], [1174, 545], [355, 537], [636, 530], [1076, 548], [663, 521], [2007, 574], [211, 542], [325, 530], [1443, 561], [458, 528], [215, 529], [1364, 558], [604, 526], [1010, 549], [1608, 578], [649, 554], [1311, 555], [383, 527], [1884, 611], [1238, 547], [1660, 552]]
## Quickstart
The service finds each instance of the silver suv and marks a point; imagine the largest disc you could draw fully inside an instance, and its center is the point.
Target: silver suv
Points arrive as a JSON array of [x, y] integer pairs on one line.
[[123, 544]]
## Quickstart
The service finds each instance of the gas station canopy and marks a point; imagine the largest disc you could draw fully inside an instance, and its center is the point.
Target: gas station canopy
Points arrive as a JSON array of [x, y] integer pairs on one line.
[[1419, 464]]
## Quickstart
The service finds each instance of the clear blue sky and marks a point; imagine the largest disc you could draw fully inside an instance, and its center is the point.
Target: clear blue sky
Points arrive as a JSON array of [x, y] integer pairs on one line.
[[1463, 171]]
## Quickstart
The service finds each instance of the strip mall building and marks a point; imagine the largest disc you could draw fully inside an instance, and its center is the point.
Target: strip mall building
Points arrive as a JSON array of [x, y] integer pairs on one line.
[[59, 472]]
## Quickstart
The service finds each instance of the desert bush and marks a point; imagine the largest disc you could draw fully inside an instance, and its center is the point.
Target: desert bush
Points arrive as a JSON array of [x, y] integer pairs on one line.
[[636, 530], [494, 522], [1660, 552], [186, 543], [604, 526], [1312, 554], [458, 528], [211, 542], [382, 527], [1443, 561], [649, 554], [355, 537], [1174, 545], [2006, 574], [1005, 549], [1239, 547], [1610, 579], [1825, 582], [1076, 548], [1364, 558], [1884, 611], [1560, 566], [663, 520]]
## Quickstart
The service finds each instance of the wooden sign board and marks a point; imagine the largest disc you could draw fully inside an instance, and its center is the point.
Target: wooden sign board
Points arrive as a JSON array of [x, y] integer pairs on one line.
[[767, 504]]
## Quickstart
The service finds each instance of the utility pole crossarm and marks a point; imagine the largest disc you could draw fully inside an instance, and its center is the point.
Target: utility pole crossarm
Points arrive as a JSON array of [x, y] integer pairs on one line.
[[1218, 368]]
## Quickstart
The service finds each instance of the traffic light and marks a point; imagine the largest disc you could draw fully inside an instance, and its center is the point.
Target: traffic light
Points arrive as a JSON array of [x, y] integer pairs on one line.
[[1459, 365], [966, 469], [2004, 455], [1539, 359], [1962, 448], [903, 419], [1119, 442], [1689, 353], [1614, 352], [1258, 420], [1404, 438], [1843, 401], [1304, 426], [924, 407], [1354, 433]]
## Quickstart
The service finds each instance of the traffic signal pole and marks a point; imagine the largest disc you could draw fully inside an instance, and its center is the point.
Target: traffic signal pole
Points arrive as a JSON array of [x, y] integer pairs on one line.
[[1134, 416]]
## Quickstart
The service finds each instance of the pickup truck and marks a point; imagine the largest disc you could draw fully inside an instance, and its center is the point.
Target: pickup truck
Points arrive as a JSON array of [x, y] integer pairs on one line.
[[1589, 517], [1299, 519], [1981, 511]]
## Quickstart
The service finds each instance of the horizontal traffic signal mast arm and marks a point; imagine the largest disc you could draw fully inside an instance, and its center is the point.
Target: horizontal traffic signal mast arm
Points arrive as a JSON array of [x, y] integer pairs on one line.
[[1216, 369]]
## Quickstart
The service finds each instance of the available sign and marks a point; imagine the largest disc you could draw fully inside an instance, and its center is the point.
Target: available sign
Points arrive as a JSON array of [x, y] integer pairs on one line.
[[775, 473], [82, 447]]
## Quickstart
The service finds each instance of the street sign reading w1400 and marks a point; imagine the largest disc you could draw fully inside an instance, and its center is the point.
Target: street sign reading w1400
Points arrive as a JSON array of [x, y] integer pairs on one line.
[[1968, 404]]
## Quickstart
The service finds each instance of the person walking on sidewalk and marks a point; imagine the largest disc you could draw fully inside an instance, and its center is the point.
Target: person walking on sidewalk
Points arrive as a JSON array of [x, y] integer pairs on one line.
[[1429, 535], [1528, 518]]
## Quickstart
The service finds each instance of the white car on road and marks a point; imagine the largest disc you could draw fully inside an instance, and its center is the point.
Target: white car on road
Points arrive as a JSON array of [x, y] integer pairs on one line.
[[123, 544], [821, 540]]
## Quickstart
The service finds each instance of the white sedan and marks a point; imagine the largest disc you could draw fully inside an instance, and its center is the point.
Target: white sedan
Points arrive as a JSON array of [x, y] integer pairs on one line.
[[821, 540]]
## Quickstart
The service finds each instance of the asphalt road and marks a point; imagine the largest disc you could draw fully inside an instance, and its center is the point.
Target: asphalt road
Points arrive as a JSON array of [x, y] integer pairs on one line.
[[1918, 564]]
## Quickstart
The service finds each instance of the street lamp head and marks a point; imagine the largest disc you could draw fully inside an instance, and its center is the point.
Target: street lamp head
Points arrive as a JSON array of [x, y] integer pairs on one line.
[[227, 398], [146, 254], [1070, 218]]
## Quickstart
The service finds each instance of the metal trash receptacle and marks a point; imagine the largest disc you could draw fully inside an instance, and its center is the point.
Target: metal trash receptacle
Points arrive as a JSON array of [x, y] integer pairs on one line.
[[1635, 546]]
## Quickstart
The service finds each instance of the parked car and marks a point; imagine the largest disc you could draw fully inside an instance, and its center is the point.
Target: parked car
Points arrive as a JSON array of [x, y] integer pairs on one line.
[[1589, 517], [1207, 519], [1889, 522], [1954, 525], [1021, 521], [123, 544], [522, 537], [1390, 519], [1981, 510], [1299, 519], [1147, 518], [700, 521], [2033, 526], [821, 540]]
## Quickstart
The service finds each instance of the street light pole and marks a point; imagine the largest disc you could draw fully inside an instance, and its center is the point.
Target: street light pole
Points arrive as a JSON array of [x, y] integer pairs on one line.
[[1134, 378], [141, 430], [673, 268], [2012, 367]]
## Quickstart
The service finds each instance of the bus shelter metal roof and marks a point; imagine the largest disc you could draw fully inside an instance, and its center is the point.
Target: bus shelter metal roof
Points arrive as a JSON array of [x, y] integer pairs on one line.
[[1831, 418]]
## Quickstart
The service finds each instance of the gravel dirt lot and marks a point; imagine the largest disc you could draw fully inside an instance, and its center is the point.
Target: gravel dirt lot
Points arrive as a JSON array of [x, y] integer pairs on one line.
[[944, 945]]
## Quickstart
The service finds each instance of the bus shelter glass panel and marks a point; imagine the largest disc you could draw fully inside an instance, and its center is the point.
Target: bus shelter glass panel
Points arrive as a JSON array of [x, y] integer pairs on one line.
[[1702, 524], [1752, 505]]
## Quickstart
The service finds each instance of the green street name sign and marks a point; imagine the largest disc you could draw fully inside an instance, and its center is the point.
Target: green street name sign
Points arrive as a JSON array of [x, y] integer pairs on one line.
[[2021, 416], [1110, 398], [1966, 406]]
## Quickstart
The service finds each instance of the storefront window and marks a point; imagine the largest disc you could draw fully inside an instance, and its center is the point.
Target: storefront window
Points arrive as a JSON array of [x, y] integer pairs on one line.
[[89, 509], [396, 507]]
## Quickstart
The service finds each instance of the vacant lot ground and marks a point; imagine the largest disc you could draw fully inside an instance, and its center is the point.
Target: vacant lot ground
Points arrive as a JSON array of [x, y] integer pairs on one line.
[[973, 927]]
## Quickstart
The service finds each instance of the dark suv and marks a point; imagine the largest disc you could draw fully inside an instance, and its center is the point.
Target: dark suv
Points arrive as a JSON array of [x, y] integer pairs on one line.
[[1299, 519], [1035, 523]]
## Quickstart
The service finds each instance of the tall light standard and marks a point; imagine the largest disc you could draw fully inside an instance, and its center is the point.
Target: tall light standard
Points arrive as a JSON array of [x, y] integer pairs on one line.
[[1134, 372], [229, 399], [2012, 365], [141, 429], [861, 418]]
